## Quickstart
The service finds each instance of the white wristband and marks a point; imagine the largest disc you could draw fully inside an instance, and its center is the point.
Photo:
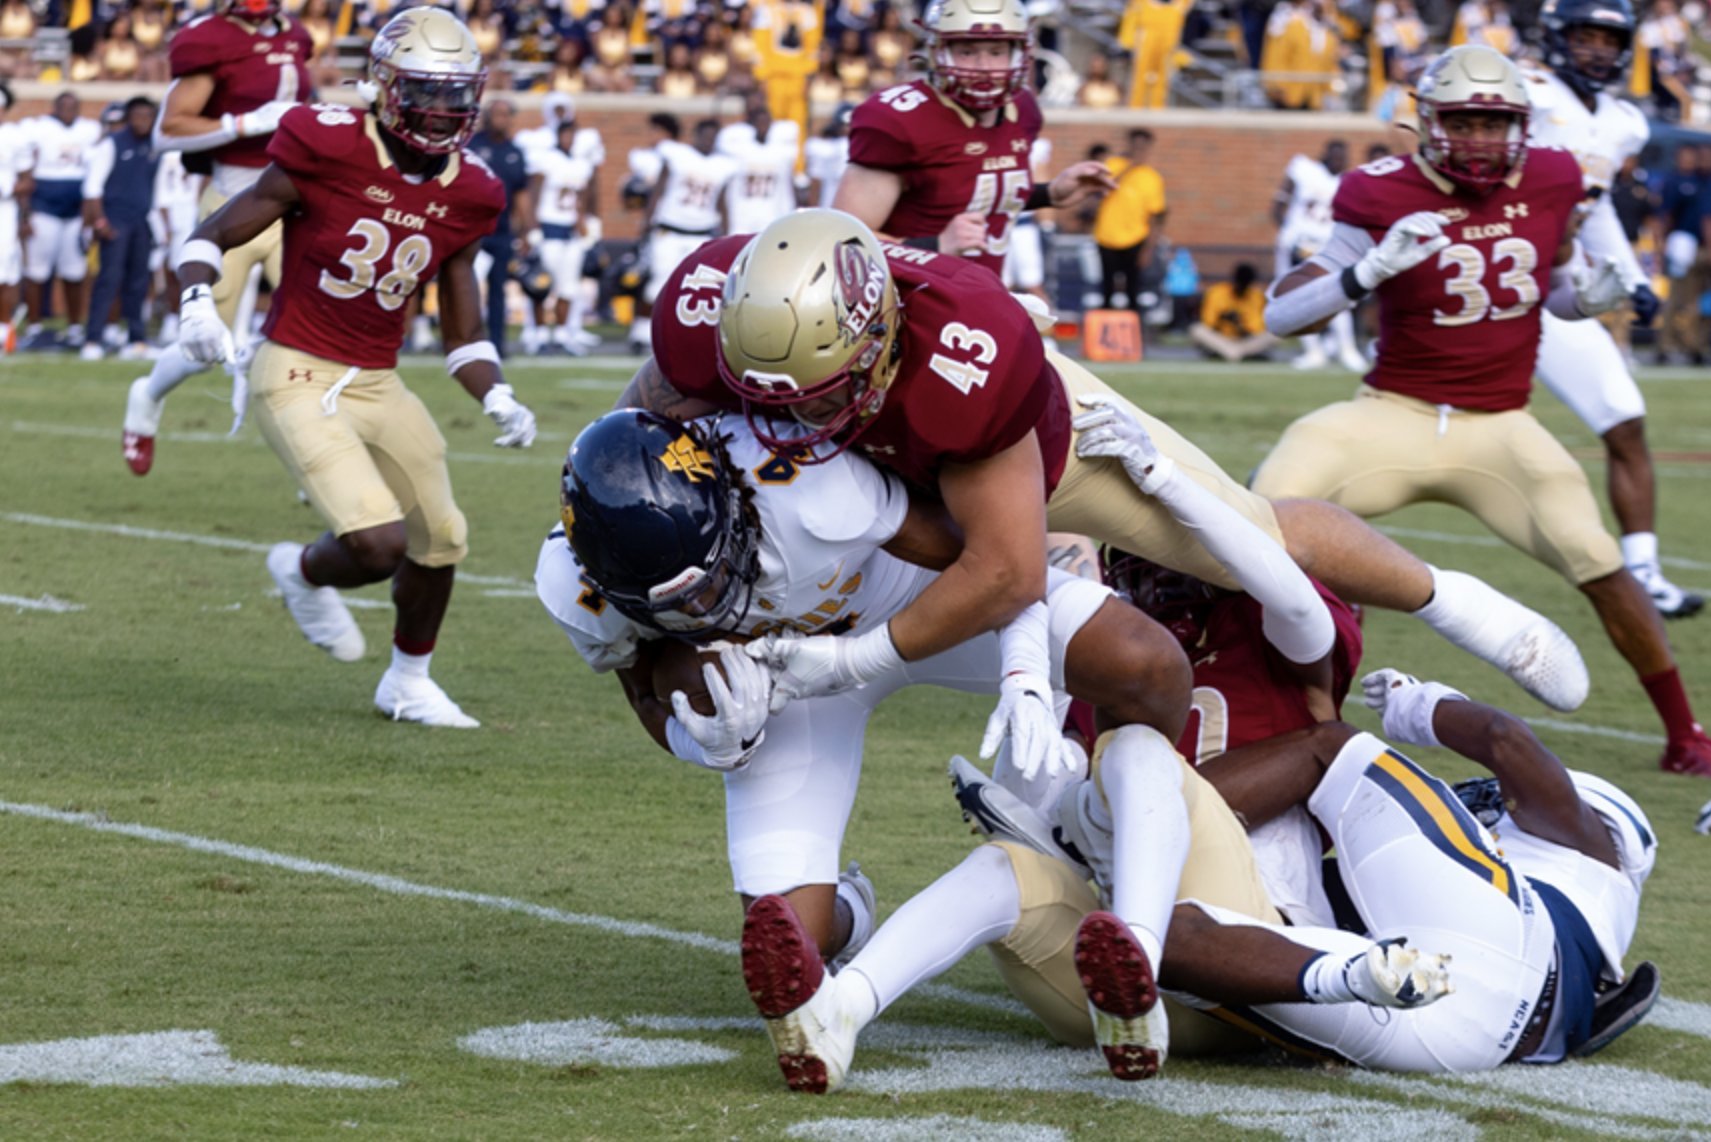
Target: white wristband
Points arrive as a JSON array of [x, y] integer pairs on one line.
[[201, 252], [873, 654], [468, 354], [1023, 643]]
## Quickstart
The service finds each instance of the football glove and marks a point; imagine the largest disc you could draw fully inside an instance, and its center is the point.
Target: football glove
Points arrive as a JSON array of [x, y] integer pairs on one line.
[[1410, 240], [825, 663], [1110, 429], [1645, 303], [1598, 286], [202, 336], [730, 735], [1406, 704], [264, 120], [1027, 716], [516, 423]]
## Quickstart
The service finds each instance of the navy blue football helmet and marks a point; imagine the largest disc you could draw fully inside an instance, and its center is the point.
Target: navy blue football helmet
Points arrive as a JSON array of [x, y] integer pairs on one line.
[[660, 521], [1587, 74]]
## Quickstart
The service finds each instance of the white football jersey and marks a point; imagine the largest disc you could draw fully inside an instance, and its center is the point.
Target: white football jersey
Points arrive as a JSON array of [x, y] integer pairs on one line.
[[15, 157], [693, 182], [1307, 223], [826, 160], [174, 187], [763, 188], [821, 568], [586, 144], [563, 178], [1600, 139], [60, 152]]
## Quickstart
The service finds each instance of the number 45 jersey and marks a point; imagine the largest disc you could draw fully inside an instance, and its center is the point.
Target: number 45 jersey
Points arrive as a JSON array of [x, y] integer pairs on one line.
[[1462, 329], [364, 237]]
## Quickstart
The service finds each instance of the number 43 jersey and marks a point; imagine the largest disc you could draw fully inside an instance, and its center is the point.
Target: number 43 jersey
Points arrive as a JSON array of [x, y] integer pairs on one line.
[[1462, 329], [364, 237]]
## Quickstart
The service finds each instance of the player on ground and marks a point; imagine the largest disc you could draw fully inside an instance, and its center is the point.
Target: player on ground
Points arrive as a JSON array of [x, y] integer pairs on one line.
[[560, 186], [685, 208], [235, 72], [935, 372], [942, 163], [701, 530], [1465, 243], [1588, 44], [374, 203], [1302, 210]]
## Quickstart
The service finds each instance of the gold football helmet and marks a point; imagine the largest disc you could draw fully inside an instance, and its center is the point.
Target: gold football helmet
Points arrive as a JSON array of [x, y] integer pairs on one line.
[[808, 326], [1473, 78], [949, 22], [426, 76]]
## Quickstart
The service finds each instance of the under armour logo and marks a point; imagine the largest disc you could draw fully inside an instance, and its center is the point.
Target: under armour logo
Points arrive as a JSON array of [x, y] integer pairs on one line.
[[300, 375], [1515, 210], [435, 210], [687, 457]]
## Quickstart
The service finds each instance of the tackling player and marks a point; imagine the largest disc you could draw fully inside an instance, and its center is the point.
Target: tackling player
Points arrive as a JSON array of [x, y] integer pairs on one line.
[[928, 366], [1588, 44], [235, 72], [942, 163], [1465, 244], [374, 203]]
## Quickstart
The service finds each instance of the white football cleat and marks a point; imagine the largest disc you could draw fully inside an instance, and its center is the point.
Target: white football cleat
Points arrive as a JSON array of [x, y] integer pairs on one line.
[[1311, 357], [1522, 643], [1351, 359], [142, 423], [1671, 601], [1391, 974], [320, 613], [997, 814], [813, 1037], [1129, 1022], [406, 698]]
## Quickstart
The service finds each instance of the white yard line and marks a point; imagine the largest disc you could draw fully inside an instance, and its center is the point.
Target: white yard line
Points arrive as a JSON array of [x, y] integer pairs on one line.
[[41, 603], [89, 431]]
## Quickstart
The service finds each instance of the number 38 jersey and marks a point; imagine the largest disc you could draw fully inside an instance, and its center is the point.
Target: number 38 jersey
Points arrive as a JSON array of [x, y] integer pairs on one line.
[[948, 164], [1462, 329], [364, 237]]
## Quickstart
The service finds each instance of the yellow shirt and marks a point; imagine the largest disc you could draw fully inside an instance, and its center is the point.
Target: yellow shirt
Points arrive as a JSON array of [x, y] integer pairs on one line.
[[1234, 316], [1125, 218]]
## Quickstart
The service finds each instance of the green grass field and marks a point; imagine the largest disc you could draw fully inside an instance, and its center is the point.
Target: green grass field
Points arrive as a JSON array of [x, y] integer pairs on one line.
[[358, 929]]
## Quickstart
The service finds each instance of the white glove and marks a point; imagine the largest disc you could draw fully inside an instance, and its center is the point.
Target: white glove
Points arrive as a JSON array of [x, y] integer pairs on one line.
[[824, 663], [1027, 716], [1406, 704], [592, 230], [1409, 241], [737, 726], [264, 120], [1110, 429], [202, 336], [1598, 286], [516, 423]]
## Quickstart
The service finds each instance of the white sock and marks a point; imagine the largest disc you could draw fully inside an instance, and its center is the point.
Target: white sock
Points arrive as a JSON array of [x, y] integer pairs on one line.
[[171, 369], [1142, 779], [974, 903], [410, 665], [1471, 613], [1640, 549], [861, 919]]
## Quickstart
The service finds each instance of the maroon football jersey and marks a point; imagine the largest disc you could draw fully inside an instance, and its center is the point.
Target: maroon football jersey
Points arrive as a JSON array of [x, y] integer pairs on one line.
[[251, 66], [949, 166], [972, 379], [363, 237], [1244, 690], [1462, 329]]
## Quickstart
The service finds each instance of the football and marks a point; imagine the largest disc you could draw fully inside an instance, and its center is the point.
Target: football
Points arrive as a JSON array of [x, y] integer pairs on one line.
[[677, 666]]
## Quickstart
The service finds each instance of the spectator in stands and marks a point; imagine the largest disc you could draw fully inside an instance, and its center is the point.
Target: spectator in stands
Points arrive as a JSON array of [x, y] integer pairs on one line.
[[890, 45], [1129, 218], [317, 20], [1098, 90], [495, 146], [1300, 46], [118, 194], [118, 55], [1664, 65], [1152, 31], [853, 68], [1396, 50], [488, 27], [713, 62], [824, 86], [678, 80], [1484, 22], [609, 70], [1232, 318], [1684, 220], [568, 76]]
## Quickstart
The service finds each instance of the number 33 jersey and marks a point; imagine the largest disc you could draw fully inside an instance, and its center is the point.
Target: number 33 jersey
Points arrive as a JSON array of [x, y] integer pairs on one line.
[[1462, 328], [364, 237]]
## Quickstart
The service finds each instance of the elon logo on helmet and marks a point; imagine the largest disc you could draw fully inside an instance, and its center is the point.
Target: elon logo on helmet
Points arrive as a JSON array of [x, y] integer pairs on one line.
[[861, 285]]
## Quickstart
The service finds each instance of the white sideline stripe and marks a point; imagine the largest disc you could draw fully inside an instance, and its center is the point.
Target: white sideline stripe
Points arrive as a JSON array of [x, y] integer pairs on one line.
[[1493, 541], [1596, 731], [399, 887], [1682, 1015], [42, 603], [130, 532], [379, 881]]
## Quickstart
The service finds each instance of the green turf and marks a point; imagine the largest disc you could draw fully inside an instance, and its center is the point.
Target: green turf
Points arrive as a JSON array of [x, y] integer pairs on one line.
[[181, 698]]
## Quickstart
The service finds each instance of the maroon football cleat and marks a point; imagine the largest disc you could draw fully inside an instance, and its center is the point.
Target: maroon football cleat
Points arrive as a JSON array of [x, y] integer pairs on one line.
[[814, 1042], [139, 452], [1122, 997], [1690, 756]]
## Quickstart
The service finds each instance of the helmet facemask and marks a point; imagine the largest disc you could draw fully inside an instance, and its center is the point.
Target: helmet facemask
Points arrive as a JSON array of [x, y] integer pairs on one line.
[[979, 88], [1180, 603], [1478, 165], [1473, 80], [426, 77]]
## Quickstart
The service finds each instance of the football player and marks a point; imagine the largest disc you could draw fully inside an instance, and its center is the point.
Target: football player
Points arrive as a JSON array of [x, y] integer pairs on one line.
[[560, 186], [685, 207], [1302, 210], [374, 203], [701, 530], [764, 150], [59, 143], [927, 365], [943, 163], [235, 73], [16, 185], [1466, 244], [1588, 44]]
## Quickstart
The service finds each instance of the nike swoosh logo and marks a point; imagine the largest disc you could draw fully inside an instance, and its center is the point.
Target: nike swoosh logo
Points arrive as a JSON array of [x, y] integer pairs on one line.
[[827, 585]]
